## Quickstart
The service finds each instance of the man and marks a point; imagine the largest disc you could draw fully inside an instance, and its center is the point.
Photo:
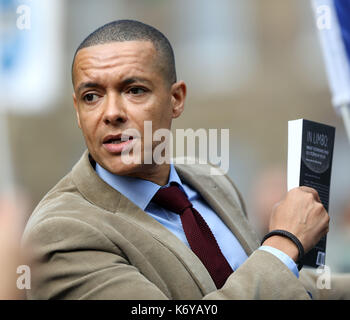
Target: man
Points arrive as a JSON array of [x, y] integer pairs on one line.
[[105, 230]]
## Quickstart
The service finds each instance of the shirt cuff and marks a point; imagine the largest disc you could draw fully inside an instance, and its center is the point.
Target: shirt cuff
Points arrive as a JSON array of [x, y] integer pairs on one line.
[[285, 258]]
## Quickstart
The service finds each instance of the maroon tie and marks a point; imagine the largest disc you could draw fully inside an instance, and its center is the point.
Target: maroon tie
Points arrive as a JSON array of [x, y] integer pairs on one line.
[[198, 233]]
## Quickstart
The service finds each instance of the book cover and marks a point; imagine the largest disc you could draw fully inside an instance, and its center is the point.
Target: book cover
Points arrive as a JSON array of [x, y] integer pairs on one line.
[[310, 155]]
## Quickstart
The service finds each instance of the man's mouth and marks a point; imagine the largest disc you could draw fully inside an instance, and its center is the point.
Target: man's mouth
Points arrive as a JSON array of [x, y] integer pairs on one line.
[[116, 143], [115, 139]]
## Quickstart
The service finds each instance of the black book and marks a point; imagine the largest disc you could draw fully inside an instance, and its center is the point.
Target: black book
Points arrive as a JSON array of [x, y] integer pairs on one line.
[[310, 154]]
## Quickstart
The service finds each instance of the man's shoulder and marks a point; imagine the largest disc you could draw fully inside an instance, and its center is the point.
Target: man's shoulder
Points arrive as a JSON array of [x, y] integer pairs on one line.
[[55, 202], [196, 166], [64, 199]]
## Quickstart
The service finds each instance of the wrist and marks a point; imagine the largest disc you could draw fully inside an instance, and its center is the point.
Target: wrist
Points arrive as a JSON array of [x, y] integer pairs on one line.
[[286, 246], [283, 244]]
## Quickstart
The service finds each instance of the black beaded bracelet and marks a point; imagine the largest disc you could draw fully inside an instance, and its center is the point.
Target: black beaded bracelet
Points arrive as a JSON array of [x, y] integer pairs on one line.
[[293, 238]]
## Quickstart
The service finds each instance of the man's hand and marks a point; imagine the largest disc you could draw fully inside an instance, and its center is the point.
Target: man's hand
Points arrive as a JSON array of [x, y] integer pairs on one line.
[[301, 213]]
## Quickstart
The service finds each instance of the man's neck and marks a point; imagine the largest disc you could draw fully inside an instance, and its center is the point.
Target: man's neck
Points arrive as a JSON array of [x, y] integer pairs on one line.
[[159, 174]]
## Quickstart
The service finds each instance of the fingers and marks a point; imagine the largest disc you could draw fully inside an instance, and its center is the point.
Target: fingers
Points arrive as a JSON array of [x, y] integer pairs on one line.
[[312, 191], [302, 213]]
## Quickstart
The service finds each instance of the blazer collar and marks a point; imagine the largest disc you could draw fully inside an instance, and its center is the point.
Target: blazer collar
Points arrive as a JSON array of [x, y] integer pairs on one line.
[[99, 193]]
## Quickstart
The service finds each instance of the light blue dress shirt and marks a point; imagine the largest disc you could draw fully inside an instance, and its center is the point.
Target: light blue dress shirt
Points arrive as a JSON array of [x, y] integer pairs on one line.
[[141, 192]]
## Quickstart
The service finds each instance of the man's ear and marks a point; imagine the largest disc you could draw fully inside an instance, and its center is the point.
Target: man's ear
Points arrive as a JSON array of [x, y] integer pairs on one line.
[[178, 96], [76, 109]]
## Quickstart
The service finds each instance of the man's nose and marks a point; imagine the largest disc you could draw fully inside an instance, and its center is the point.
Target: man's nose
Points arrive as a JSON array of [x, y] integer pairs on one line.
[[115, 110]]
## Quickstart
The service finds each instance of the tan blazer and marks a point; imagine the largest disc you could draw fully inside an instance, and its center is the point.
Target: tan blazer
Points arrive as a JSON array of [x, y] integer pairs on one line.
[[91, 242]]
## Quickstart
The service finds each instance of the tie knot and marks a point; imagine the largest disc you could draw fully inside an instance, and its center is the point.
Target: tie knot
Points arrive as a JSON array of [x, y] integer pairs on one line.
[[173, 199]]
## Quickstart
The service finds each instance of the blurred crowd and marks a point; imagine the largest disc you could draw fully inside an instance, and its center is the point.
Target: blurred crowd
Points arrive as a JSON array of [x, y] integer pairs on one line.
[[12, 257]]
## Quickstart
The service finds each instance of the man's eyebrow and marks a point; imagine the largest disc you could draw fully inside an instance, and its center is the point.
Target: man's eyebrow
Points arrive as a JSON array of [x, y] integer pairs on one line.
[[132, 80], [86, 85], [125, 82]]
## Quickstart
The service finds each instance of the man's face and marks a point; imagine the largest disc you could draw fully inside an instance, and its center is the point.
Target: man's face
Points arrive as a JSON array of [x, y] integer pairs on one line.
[[118, 86]]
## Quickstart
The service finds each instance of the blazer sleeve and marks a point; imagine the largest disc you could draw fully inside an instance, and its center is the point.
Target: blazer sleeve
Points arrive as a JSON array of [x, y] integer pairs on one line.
[[261, 276], [74, 260]]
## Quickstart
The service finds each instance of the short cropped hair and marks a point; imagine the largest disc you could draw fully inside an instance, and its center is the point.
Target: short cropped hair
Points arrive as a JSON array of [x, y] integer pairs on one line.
[[132, 30]]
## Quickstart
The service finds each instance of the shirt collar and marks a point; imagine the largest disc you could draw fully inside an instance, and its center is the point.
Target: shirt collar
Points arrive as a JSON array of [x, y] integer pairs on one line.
[[139, 191]]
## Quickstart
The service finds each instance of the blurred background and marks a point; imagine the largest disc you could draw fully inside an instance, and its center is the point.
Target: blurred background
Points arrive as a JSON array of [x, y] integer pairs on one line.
[[250, 66]]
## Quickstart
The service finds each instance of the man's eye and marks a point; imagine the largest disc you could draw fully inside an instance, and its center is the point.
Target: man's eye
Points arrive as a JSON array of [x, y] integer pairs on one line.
[[137, 90], [90, 97]]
